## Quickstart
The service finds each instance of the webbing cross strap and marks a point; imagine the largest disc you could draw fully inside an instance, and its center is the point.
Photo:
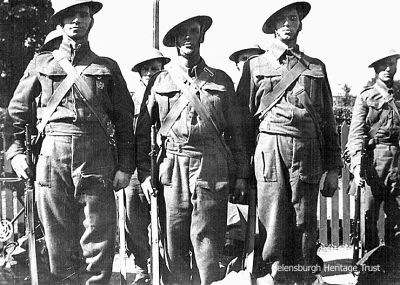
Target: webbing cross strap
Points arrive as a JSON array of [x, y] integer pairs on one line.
[[376, 127], [270, 100], [85, 92], [182, 101], [59, 93], [190, 88]]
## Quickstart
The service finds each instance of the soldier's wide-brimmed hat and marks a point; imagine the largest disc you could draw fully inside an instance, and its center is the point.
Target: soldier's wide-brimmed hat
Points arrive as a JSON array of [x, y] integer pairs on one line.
[[169, 38], [59, 6], [250, 48], [50, 38], [303, 8], [148, 55], [381, 55]]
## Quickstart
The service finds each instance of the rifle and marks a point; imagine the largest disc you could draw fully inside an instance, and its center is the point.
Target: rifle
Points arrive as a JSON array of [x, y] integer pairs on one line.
[[29, 210], [155, 257], [122, 238], [356, 226], [248, 253]]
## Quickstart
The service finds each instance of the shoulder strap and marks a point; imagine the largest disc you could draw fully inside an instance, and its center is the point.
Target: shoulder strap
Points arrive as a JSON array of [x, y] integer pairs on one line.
[[82, 88], [54, 101], [189, 89], [375, 128], [270, 100], [59, 93], [183, 101]]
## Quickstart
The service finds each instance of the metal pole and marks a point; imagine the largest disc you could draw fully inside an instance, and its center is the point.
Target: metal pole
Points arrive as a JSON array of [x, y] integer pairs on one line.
[[155, 259], [156, 23]]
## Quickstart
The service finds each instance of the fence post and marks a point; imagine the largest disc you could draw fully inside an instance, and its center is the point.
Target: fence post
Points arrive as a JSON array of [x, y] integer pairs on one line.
[[345, 184], [323, 221]]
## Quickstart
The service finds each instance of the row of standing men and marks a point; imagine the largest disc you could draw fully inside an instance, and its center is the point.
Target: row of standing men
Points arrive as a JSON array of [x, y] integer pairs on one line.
[[280, 118]]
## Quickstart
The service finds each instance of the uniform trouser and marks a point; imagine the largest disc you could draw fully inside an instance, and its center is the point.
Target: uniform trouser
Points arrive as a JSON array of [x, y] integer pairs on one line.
[[137, 223], [75, 187], [196, 197], [287, 172], [382, 187], [391, 207]]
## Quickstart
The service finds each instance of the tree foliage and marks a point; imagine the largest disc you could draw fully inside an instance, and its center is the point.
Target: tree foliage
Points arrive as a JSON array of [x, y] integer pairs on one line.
[[344, 107], [23, 27]]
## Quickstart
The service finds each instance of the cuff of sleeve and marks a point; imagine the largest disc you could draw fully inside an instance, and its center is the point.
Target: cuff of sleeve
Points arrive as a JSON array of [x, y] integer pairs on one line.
[[142, 175], [355, 160], [125, 169], [126, 158], [18, 147], [333, 163]]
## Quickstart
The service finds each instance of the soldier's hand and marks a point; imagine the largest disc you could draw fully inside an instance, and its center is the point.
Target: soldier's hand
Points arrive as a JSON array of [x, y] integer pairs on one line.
[[20, 166], [147, 188], [240, 192], [121, 180], [331, 183], [358, 180]]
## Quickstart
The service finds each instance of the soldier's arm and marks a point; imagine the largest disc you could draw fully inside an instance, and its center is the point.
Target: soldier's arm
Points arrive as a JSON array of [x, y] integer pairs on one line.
[[234, 115], [329, 130], [245, 95], [122, 117], [20, 108], [358, 130], [147, 116]]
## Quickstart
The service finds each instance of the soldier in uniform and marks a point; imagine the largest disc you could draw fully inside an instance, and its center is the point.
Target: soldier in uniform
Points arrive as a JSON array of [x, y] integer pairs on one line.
[[240, 56], [237, 210], [79, 95], [52, 41], [375, 125], [196, 109], [288, 94], [137, 214]]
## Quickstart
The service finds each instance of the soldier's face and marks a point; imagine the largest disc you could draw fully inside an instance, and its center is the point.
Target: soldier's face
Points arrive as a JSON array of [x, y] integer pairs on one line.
[[242, 58], [287, 25], [149, 68], [386, 69], [76, 21], [188, 38]]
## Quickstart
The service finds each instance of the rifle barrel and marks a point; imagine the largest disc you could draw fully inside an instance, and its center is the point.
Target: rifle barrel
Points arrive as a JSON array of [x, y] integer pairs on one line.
[[29, 211]]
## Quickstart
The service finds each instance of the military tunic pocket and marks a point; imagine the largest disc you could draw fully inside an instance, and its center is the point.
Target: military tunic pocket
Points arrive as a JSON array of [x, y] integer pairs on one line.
[[165, 169], [265, 166], [308, 158], [43, 171], [98, 78]]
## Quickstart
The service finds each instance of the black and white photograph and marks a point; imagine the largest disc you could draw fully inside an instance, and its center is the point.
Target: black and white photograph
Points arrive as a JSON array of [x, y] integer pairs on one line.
[[188, 142]]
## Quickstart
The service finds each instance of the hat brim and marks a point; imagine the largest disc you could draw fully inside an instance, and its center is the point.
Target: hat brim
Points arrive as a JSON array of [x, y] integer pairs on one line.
[[395, 55], [50, 42], [93, 6], [169, 38], [234, 56], [303, 8], [163, 59]]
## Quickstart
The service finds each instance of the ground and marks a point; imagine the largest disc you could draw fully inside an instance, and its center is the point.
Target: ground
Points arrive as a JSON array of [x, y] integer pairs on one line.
[[337, 269]]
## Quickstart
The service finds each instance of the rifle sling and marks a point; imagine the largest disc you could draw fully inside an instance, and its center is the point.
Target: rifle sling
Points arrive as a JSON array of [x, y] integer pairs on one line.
[[189, 90], [82, 88], [269, 100]]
